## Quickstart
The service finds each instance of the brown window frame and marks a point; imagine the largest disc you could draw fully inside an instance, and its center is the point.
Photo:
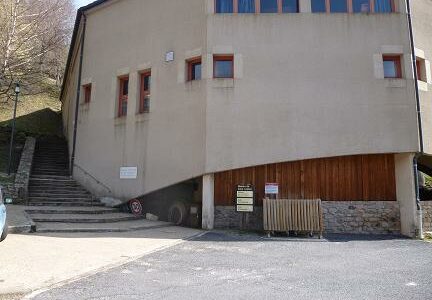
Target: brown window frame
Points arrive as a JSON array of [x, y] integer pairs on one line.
[[223, 57], [142, 109], [87, 88], [190, 65], [398, 63], [122, 98]]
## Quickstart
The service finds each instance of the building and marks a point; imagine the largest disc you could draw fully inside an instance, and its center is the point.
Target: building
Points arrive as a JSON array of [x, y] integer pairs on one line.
[[318, 96]]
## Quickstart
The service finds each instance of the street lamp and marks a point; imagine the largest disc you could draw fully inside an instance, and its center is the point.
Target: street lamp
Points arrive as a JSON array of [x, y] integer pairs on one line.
[[17, 91]]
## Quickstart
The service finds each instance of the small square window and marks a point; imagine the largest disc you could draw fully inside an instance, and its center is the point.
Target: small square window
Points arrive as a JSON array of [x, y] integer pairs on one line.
[[87, 93], [384, 6], [223, 66], [361, 6], [290, 6], [338, 6], [224, 6], [246, 6], [145, 87], [421, 69], [194, 69], [318, 6], [123, 96], [269, 6], [392, 66]]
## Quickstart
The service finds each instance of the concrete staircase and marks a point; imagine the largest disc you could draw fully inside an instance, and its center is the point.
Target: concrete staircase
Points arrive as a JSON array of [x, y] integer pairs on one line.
[[58, 203]]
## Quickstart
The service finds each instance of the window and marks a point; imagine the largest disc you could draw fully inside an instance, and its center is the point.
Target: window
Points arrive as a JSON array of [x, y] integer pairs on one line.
[[338, 6], [392, 66], [246, 6], [194, 69], [421, 69], [224, 6], [145, 83], [269, 6], [223, 66], [318, 6], [123, 96], [361, 6], [384, 6], [87, 93], [290, 6]]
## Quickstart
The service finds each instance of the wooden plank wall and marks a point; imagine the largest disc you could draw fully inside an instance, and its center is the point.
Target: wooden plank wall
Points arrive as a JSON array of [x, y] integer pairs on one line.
[[348, 178]]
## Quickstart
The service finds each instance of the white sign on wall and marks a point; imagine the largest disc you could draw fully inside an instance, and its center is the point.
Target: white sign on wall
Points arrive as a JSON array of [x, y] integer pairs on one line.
[[128, 173], [271, 188], [169, 56]]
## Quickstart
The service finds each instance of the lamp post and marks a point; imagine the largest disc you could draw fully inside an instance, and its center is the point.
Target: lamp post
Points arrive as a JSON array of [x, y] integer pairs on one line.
[[17, 91]]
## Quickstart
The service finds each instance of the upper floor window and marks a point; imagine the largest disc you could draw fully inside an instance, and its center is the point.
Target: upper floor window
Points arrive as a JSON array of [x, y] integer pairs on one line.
[[338, 6], [145, 84], [123, 96], [421, 69], [194, 69], [246, 6], [318, 6], [392, 66], [384, 6], [290, 6], [224, 6], [269, 6], [361, 6], [223, 66], [87, 93]]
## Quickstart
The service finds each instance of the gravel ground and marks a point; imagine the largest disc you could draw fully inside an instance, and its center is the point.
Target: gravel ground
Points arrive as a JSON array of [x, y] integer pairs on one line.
[[228, 265]]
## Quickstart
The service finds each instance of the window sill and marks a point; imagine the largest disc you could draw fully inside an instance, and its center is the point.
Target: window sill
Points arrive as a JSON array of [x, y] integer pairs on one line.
[[142, 117], [423, 86], [119, 121], [395, 82], [223, 82]]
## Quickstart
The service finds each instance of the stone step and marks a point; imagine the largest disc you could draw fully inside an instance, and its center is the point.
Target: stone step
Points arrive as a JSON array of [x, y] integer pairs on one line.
[[66, 204], [84, 218], [48, 178], [56, 189], [135, 225], [72, 210], [61, 199], [72, 195]]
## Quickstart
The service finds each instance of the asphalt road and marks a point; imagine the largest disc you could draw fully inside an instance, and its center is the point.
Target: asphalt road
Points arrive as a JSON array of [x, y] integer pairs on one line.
[[233, 266]]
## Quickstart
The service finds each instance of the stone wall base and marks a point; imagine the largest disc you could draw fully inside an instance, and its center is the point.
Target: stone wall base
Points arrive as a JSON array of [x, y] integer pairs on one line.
[[427, 215], [358, 217]]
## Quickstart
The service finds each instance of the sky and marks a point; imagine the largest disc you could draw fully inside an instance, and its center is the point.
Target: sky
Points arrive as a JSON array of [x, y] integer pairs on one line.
[[79, 3]]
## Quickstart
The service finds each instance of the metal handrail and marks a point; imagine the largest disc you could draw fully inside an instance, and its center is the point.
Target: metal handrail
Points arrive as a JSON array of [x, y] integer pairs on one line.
[[94, 178]]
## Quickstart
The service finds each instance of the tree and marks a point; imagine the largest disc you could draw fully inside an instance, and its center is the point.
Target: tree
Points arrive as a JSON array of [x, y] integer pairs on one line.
[[34, 37]]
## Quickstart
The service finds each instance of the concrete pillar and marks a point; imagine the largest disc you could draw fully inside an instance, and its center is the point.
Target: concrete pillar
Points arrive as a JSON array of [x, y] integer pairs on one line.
[[305, 6], [208, 202], [405, 192]]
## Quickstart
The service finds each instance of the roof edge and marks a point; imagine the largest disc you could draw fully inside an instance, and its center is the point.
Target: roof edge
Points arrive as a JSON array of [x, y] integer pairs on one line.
[[79, 15]]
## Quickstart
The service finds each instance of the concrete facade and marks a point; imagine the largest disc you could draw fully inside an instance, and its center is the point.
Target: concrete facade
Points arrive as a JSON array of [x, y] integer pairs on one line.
[[305, 86]]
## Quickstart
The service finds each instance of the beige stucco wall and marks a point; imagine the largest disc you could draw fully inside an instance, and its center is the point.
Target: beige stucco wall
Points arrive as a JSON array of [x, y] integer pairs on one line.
[[308, 89], [126, 37], [422, 26], [306, 86]]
